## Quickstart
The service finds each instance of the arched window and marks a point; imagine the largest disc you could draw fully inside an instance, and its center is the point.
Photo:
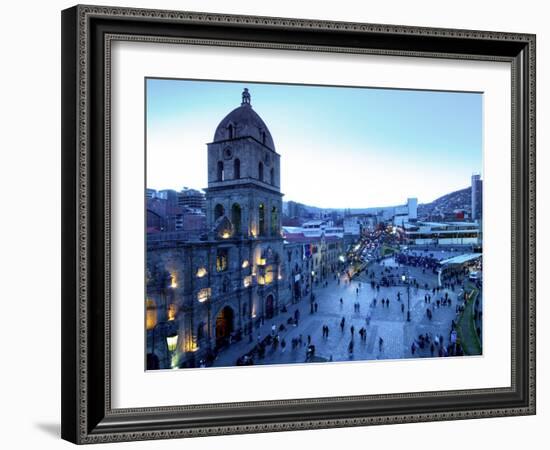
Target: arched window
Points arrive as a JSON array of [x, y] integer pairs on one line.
[[230, 132], [261, 171], [274, 221], [261, 219], [218, 211], [236, 218], [272, 176], [220, 171], [237, 169]]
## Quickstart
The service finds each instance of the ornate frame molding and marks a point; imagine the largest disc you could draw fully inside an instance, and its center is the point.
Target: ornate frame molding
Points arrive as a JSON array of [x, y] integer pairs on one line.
[[86, 186]]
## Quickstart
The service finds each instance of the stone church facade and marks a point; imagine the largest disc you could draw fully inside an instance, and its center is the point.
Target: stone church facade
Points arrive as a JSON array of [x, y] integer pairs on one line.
[[209, 292]]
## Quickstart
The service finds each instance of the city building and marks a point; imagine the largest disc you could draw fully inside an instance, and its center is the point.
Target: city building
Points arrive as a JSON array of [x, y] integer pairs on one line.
[[163, 215], [170, 195], [316, 228], [406, 213], [442, 233], [477, 197], [310, 260], [218, 289], [352, 225], [192, 199], [150, 193]]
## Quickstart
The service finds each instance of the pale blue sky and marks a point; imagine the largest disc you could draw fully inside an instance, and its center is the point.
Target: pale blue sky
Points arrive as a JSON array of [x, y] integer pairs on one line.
[[340, 147]]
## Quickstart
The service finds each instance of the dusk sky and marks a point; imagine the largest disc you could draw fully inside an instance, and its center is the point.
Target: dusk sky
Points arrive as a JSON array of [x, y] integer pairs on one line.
[[340, 147]]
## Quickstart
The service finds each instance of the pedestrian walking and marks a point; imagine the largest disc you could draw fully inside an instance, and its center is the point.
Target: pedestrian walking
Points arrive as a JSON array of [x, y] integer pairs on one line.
[[403, 308], [352, 329], [380, 344]]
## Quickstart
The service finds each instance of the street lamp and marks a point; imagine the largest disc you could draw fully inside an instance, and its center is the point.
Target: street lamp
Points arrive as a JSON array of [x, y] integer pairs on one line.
[[407, 282], [171, 343]]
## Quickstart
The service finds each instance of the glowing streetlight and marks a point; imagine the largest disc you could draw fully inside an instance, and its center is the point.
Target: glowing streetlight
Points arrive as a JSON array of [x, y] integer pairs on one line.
[[172, 343]]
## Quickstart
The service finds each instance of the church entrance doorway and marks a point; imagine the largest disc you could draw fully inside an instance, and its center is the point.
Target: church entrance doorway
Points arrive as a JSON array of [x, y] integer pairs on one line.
[[224, 326]]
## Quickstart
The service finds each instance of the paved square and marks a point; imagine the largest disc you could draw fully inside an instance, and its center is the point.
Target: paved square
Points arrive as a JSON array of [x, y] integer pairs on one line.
[[386, 322]]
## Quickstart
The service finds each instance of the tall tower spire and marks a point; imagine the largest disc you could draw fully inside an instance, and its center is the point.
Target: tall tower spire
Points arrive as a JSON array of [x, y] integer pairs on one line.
[[246, 97]]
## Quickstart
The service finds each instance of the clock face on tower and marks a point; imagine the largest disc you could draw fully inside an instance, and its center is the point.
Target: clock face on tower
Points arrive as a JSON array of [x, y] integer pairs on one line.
[[228, 153]]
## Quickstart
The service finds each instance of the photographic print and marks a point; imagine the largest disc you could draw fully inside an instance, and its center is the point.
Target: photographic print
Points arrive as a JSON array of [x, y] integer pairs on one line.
[[299, 224]]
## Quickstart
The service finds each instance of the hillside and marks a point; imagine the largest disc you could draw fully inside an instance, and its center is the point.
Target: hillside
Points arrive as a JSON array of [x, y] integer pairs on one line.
[[457, 200]]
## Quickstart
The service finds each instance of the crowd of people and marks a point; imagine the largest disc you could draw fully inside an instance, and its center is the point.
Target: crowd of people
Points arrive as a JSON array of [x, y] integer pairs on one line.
[[380, 276], [416, 260]]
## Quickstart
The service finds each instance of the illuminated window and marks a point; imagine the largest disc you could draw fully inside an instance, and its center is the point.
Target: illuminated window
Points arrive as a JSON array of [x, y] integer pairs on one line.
[[201, 272], [204, 294], [172, 311], [222, 260], [268, 278], [173, 281], [150, 314]]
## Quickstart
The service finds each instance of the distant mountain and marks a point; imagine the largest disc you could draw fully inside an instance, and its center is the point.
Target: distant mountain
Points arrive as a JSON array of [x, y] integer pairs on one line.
[[447, 204], [442, 206]]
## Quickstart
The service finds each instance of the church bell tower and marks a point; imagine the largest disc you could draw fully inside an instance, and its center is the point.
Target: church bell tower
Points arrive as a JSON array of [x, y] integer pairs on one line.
[[243, 197]]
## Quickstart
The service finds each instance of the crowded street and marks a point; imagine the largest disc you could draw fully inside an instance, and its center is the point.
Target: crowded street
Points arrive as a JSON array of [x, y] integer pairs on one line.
[[361, 319]]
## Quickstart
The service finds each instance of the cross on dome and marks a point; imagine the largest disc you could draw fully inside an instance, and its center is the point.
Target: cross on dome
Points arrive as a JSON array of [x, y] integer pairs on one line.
[[246, 97]]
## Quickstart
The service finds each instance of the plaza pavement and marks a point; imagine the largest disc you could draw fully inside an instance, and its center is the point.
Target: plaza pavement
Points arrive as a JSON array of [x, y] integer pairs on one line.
[[386, 322]]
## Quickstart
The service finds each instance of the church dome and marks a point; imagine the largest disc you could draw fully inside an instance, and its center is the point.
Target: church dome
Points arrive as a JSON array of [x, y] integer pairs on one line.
[[243, 122]]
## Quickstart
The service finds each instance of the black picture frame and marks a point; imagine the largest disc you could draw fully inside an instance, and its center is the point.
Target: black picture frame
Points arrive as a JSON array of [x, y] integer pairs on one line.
[[87, 416]]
